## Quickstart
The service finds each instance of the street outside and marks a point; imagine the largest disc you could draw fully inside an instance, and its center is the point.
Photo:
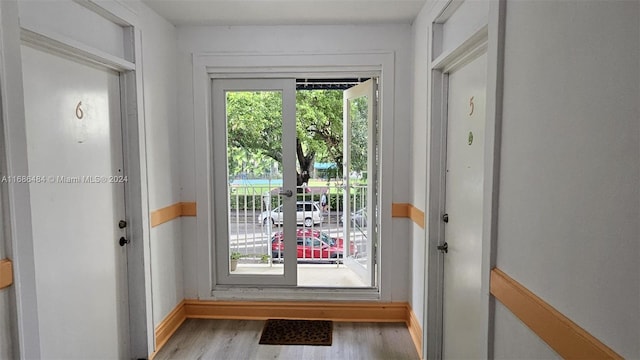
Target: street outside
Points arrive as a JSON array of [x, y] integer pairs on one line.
[[252, 239]]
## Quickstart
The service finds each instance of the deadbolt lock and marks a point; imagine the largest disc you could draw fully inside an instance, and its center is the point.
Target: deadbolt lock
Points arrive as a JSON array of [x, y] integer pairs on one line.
[[445, 218], [123, 241], [444, 248]]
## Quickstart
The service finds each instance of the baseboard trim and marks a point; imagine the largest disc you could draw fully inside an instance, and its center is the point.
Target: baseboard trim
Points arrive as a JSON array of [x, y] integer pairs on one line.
[[256, 310], [415, 330], [336, 311], [168, 326], [564, 336], [6, 273]]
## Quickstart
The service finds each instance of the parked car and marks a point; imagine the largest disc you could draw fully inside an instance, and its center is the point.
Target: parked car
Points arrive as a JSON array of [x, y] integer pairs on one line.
[[313, 245], [308, 214], [358, 218]]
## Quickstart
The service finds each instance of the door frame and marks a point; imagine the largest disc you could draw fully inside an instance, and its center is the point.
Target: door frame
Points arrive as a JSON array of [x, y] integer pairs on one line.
[[16, 203], [208, 66], [487, 37]]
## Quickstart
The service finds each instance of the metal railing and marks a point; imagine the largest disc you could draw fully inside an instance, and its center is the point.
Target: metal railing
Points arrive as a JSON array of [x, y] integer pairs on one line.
[[255, 223]]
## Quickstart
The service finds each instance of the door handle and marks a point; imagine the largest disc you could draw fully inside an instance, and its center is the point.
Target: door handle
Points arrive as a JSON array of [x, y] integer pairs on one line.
[[287, 193], [444, 248]]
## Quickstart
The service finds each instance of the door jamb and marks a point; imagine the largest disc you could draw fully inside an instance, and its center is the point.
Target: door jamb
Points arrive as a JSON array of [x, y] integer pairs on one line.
[[436, 165]]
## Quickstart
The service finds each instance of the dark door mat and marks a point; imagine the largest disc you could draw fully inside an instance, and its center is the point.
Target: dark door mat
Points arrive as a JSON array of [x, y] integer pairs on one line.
[[297, 332]]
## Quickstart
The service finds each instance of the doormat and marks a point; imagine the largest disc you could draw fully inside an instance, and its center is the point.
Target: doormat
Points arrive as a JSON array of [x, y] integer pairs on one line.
[[297, 332]]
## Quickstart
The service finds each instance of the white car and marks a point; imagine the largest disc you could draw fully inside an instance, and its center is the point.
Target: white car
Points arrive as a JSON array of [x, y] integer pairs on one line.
[[358, 218], [308, 214]]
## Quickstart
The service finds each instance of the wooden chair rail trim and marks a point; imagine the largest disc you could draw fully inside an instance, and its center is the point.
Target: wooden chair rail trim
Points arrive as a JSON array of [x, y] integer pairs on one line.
[[400, 209], [6, 273], [563, 335], [405, 210], [171, 212], [177, 210]]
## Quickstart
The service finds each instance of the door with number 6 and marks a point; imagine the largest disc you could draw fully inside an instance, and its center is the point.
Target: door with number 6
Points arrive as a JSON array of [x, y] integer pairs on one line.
[[74, 141]]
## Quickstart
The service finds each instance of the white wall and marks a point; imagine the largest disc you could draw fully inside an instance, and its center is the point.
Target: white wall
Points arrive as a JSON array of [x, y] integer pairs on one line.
[[6, 343], [161, 121], [6, 315], [514, 340], [293, 39], [570, 174], [420, 29]]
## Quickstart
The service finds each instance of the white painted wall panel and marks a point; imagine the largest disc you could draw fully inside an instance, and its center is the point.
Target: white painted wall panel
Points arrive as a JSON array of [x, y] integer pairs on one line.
[[419, 132], [166, 269], [293, 39], [570, 177], [419, 125], [82, 24], [189, 254], [514, 340], [6, 331], [160, 107], [464, 22], [418, 263]]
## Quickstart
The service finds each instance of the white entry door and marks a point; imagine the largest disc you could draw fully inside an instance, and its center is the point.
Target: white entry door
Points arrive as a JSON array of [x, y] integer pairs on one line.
[[75, 158], [359, 133], [462, 333]]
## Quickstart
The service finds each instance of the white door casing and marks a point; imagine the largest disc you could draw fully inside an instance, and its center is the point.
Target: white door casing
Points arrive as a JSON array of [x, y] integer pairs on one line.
[[459, 32], [74, 139], [207, 66], [462, 284]]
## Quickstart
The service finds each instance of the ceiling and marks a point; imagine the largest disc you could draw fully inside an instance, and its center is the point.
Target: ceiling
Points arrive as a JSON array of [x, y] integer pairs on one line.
[[286, 12]]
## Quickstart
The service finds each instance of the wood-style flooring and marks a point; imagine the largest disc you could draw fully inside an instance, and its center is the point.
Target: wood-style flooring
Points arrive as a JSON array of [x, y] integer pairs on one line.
[[238, 340]]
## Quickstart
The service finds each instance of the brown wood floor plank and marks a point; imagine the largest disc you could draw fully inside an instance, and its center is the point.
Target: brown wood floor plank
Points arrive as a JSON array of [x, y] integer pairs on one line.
[[238, 340]]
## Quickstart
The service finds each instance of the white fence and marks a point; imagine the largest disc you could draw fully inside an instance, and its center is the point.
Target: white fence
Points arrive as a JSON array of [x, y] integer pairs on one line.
[[255, 219]]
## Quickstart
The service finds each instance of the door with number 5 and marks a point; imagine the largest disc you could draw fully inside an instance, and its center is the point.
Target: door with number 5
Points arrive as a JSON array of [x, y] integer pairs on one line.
[[464, 179]]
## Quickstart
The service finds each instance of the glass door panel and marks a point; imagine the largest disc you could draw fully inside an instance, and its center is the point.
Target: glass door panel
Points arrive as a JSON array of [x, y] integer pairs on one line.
[[358, 176], [253, 147]]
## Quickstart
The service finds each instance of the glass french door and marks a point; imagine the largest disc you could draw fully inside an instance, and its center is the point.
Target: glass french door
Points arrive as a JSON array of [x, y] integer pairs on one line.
[[249, 116], [278, 222], [359, 174]]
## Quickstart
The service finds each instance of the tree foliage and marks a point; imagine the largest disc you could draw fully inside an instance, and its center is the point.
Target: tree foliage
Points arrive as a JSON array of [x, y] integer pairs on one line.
[[254, 129]]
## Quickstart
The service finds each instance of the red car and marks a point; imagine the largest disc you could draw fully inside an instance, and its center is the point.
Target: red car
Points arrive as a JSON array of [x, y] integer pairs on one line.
[[313, 245]]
